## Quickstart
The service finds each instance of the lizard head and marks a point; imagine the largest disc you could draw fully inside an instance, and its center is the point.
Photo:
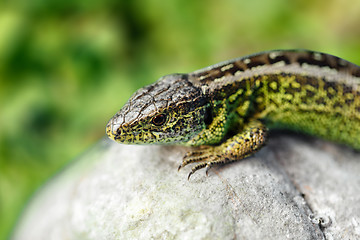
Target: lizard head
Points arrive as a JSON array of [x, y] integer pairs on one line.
[[172, 110]]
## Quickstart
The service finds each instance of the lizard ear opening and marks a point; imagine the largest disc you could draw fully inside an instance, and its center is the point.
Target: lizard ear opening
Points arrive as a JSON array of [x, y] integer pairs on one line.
[[159, 120], [208, 116]]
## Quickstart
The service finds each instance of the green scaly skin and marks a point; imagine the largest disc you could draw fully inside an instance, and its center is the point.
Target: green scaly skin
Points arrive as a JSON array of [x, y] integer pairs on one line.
[[226, 109]]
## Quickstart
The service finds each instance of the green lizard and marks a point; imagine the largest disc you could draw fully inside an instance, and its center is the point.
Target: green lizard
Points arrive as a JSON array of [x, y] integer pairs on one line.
[[229, 107]]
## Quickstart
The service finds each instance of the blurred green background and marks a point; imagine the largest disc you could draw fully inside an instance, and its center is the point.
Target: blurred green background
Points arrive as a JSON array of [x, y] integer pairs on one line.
[[66, 66]]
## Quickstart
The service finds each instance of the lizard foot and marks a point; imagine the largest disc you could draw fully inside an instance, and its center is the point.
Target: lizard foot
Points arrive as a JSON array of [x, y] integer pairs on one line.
[[197, 155], [206, 156], [239, 146]]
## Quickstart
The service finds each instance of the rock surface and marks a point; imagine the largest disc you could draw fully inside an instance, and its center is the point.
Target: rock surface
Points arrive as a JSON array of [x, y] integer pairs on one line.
[[295, 188]]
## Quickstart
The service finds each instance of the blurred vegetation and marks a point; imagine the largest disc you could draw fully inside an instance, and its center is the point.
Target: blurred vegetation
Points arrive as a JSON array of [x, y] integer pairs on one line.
[[67, 66]]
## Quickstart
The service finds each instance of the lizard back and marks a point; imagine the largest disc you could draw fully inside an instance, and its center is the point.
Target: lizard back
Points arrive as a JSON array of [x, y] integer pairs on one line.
[[311, 92]]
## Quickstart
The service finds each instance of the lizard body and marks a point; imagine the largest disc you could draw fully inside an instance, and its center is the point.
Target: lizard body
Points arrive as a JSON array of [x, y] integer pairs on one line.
[[229, 107]]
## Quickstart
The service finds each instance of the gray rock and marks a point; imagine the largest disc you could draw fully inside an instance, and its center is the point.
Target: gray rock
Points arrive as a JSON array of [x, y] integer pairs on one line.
[[295, 188]]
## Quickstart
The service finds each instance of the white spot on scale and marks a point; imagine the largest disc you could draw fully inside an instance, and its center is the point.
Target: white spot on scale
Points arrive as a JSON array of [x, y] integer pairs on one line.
[[219, 79], [247, 60], [224, 68], [274, 55], [279, 64], [203, 89], [318, 56], [238, 73], [203, 77]]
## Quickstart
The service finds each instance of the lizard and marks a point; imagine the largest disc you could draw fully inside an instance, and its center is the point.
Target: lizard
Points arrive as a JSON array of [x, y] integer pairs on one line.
[[226, 110]]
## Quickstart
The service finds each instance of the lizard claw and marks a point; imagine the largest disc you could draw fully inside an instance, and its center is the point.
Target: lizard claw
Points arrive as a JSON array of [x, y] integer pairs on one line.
[[199, 166], [190, 175], [207, 169]]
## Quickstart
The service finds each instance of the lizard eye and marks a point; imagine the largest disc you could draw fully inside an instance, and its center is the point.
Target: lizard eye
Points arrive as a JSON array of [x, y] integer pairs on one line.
[[159, 119]]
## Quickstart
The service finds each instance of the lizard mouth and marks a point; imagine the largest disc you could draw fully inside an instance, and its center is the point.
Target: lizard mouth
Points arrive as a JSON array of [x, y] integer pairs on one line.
[[120, 133]]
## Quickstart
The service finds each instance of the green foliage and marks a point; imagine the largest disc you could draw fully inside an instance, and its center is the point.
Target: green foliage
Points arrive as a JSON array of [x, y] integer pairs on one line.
[[67, 66]]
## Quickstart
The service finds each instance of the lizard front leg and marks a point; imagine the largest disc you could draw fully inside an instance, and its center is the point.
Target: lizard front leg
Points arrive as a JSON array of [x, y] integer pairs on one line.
[[239, 146]]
